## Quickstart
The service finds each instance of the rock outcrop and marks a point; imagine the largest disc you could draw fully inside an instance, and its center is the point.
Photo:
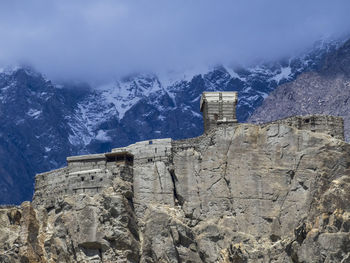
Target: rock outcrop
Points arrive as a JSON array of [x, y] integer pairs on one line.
[[241, 193]]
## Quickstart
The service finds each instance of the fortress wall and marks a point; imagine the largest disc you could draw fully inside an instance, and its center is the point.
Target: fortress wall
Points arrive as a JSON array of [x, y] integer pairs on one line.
[[331, 125], [80, 176], [91, 173], [149, 151], [152, 180], [153, 164]]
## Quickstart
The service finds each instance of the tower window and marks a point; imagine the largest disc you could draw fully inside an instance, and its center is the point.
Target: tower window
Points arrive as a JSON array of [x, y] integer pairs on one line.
[[82, 179]]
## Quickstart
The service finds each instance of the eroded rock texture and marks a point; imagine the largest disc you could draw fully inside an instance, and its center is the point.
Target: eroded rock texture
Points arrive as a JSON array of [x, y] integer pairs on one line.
[[239, 194]]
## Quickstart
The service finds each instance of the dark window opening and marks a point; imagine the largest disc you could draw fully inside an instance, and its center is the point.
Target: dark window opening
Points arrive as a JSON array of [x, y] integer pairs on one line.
[[92, 177], [110, 159], [82, 179], [307, 120], [120, 158], [150, 160], [100, 179], [150, 142]]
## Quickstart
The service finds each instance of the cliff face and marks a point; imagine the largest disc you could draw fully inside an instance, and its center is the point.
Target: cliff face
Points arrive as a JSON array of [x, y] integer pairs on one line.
[[244, 193]]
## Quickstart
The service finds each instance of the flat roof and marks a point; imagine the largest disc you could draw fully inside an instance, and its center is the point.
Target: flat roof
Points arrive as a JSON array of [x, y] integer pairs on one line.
[[96, 157], [215, 96], [99, 156], [113, 154]]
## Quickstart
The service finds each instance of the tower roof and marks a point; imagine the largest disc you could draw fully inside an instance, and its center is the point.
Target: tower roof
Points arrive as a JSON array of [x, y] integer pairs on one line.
[[216, 96]]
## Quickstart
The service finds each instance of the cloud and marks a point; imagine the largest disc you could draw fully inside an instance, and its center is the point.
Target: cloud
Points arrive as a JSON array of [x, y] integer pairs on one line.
[[96, 40]]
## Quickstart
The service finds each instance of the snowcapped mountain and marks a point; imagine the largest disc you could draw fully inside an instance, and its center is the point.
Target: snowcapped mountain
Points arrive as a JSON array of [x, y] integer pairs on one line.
[[42, 123]]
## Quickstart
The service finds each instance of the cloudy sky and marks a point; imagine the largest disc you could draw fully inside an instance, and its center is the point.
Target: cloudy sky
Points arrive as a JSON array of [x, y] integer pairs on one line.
[[95, 40]]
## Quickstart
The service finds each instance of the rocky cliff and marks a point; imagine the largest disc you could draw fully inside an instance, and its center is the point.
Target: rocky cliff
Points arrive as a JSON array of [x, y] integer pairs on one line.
[[242, 193]]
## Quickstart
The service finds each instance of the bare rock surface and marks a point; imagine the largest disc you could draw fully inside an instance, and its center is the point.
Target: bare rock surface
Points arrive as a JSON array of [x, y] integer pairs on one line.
[[243, 193]]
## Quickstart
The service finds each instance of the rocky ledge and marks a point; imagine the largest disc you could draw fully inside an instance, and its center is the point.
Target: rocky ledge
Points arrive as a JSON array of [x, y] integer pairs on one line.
[[244, 193]]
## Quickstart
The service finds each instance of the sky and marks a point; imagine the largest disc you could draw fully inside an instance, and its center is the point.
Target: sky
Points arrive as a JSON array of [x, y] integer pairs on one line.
[[96, 40]]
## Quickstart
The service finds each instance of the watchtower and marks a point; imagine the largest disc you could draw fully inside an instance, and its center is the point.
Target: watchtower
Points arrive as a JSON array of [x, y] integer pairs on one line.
[[218, 108]]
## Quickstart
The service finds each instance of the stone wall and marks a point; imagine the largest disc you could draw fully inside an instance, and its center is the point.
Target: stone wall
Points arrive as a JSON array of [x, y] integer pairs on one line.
[[153, 161], [148, 151], [83, 174], [90, 174], [331, 125], [152, 178]]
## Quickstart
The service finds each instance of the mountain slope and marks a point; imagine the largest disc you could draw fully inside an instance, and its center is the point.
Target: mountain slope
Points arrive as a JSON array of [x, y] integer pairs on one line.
[[324, 91], [33, 131]]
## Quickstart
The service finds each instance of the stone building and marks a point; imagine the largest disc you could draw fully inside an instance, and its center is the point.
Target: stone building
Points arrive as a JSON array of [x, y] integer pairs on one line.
[[92, 173], [218, 108], [331, 125]]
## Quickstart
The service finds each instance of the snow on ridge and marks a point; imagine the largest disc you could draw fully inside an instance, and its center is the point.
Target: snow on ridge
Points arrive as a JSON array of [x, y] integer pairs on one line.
[[171, 78], [47, 149], [34, 113], [102, 136], [284, 74], [120, 96], [126, 93], [234, 74]]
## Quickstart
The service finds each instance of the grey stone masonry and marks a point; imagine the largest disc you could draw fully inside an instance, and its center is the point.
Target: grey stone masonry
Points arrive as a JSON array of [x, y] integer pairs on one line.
[[88, 174], [149, 165], [149, 151], [331, 125], [218, 108]]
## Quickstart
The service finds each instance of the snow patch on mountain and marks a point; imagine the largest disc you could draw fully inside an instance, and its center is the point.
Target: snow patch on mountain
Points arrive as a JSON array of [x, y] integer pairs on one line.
[[124, 94], [34, 113], [102, 136], [285, 74]]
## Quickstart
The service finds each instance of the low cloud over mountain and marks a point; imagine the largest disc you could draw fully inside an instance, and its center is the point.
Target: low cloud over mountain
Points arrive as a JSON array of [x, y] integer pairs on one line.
[[96, 40]]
